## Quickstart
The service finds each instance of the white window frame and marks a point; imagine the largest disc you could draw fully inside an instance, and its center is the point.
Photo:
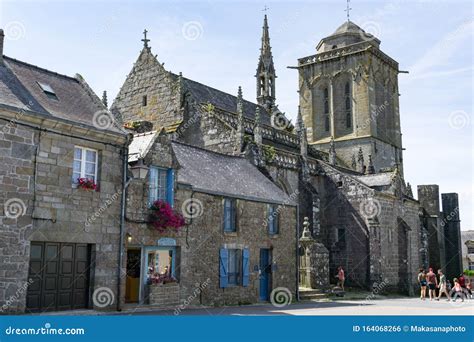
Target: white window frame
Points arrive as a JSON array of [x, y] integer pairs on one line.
[[83, 163]]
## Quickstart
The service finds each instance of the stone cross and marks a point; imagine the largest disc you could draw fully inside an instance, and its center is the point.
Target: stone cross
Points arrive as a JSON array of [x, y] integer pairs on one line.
[[145, 40], [348, 9]]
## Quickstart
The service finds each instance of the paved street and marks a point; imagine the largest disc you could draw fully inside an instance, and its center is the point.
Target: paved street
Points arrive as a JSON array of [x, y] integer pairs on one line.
[[403, 306]]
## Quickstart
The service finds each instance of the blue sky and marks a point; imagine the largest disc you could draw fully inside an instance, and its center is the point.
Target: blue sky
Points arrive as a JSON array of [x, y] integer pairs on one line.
[[217, 43]]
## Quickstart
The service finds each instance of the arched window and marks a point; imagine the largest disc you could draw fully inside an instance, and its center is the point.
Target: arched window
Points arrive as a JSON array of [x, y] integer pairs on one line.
[[348, 107], [326, 109]]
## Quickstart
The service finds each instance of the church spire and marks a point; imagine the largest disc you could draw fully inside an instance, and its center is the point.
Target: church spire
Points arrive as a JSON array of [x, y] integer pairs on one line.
[[266, 71]]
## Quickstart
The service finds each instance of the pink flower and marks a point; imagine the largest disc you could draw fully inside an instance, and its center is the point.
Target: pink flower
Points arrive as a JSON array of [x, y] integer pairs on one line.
[[164, 217]]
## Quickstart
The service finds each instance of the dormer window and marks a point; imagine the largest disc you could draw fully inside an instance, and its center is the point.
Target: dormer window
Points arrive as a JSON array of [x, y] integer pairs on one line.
[[48, 90]]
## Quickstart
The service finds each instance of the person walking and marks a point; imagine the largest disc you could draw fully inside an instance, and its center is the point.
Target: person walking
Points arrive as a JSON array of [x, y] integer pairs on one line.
[[442, 285], [462, 281], [432, 283], [341, 277], [457, 289], [422, 282]]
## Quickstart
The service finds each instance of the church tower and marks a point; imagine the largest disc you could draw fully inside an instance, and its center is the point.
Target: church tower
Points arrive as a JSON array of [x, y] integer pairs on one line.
[[266, 72], [349, 93]]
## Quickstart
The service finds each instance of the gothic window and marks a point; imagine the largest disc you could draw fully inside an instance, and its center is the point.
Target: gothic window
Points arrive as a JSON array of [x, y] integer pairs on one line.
[[348, 106], [341, 235], [326, 109], [262, 85]]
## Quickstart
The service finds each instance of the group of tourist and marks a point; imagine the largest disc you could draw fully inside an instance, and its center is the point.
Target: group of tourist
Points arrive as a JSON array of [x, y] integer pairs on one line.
[[429, 281]]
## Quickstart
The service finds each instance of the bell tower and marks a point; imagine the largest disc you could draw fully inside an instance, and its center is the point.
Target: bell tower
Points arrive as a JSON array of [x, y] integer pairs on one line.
[[349, 94], [266, 72]]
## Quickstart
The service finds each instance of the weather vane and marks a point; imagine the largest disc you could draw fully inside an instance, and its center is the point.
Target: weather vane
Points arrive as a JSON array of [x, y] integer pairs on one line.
[[348, 9], [265, 9], [145, 40]]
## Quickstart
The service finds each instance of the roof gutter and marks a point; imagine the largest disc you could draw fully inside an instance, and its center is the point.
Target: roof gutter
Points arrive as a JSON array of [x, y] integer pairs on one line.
[[246, 198]]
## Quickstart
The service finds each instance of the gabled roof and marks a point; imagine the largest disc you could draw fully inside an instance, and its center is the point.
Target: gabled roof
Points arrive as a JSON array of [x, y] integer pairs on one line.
[[220, 174], [27, 87]]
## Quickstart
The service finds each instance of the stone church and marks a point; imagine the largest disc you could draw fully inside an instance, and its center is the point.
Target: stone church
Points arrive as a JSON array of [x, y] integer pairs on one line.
[[342, 159], [261, 203]]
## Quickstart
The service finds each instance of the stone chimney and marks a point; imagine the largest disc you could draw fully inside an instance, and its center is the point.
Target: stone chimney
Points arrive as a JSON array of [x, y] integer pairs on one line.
[[2, 38]]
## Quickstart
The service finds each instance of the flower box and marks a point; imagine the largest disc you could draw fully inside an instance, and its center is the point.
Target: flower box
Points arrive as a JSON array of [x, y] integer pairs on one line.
[[86, 184], [163, 294]]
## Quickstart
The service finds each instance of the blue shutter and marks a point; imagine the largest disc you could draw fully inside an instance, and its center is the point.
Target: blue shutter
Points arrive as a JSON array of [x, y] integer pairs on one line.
[[170, 187], [223, 262], [245, 267]]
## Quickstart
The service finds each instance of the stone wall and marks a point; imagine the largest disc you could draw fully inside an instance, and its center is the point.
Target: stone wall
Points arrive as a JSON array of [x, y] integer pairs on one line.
[[36, 168], [382, 234], [149, 79]]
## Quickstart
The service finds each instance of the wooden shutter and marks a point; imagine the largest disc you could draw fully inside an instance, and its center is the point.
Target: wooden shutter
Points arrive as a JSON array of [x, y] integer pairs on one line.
[[223, 262]]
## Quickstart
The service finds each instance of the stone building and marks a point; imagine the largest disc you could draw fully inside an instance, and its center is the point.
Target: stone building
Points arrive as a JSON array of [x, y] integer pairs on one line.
[[467, 244], [266, 203], [342, 158], [239, 240], [58, 241]]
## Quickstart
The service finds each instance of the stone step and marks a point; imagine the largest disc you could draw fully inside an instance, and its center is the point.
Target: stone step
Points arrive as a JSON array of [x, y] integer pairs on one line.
[[313, 296], [310, 294]]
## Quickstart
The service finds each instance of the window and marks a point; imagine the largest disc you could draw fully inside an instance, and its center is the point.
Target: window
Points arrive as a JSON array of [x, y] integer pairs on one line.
[[161, 262], [471, 266], [326, 101], [230, 215], [347, 95], [341, 235], [326, 109], [470, 249], [234, 267], [144, 101], [85, 164], [161, 185], [272, 219], [48, 90]]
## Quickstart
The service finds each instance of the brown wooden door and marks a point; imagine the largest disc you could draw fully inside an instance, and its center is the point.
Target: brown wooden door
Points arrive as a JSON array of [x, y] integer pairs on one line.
[[60, 276]]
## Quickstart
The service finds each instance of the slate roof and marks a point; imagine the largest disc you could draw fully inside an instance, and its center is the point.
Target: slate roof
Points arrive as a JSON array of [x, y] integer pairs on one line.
[[20, 87], [205, 94], [140, 145], [231, 176]]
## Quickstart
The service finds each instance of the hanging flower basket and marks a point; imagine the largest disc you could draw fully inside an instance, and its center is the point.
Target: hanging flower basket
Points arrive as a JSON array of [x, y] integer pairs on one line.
[[163, 217], [86, 183]]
